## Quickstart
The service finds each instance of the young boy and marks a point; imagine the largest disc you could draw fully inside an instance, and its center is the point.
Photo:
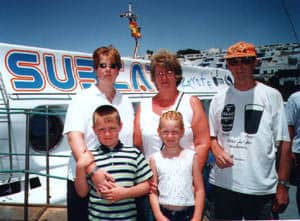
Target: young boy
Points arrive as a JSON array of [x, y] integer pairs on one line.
[[127, 165], [176, 172]]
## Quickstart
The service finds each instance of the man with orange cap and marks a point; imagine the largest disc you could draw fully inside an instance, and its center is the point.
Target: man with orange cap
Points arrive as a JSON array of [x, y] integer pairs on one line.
[[248, 127]]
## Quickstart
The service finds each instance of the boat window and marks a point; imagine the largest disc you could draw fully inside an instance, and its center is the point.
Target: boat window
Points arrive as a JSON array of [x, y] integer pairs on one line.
[[40, 134]]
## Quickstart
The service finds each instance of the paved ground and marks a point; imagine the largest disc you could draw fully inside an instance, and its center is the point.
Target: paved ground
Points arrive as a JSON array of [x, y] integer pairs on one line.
[[16, 213]]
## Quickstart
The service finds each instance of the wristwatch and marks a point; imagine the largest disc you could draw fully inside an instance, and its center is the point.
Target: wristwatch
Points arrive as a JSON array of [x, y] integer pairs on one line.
[[284, 183], [89, 175]]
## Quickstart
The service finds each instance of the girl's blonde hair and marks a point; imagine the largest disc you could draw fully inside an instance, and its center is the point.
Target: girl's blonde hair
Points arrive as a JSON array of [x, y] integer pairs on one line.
[[172, 115]]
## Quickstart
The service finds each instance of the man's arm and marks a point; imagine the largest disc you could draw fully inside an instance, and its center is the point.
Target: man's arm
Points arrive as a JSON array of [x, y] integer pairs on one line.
[[282, 195], [284, 161], [223, 158], [285, 152]]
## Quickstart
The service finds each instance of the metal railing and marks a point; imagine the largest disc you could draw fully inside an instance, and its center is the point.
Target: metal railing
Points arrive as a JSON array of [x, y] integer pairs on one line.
[[27, 171]]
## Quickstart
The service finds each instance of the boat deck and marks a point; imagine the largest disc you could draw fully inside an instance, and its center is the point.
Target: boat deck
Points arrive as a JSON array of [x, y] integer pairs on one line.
[[35, 213]]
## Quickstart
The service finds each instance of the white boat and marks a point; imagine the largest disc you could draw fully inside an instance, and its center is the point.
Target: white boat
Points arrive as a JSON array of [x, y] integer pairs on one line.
[[36, 86]]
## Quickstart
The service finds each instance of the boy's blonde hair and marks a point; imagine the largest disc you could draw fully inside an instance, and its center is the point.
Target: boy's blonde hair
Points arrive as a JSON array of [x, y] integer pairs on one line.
[[172, 115]]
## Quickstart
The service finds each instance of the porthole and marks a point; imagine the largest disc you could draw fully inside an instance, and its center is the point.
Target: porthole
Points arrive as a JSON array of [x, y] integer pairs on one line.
[[39, 135]]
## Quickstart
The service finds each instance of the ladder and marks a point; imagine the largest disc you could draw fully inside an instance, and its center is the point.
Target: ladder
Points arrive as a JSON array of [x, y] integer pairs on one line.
[[5, 121]]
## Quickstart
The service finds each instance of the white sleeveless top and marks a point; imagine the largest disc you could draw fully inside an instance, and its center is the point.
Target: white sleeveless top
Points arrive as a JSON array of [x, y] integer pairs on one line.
[[149, 123], [175, 176]]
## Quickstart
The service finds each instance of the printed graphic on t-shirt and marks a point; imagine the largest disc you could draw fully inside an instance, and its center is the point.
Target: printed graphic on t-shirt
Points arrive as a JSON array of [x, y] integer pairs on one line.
[[252, 117], [227, 117], [242, 138], [253, 113]]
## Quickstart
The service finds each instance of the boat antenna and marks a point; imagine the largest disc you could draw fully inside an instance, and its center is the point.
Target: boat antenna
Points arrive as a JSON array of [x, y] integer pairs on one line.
[[133, 26], [290, 20]]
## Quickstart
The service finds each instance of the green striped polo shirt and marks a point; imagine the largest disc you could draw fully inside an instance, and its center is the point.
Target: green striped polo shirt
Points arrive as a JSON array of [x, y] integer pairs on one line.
[[129, 167]]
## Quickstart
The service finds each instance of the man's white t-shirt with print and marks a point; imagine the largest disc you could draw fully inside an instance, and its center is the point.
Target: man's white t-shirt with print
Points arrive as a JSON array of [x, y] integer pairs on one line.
[[248, 124]]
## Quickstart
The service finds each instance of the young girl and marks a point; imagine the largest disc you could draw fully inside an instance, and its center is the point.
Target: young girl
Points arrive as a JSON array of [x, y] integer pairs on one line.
[[177, 174]]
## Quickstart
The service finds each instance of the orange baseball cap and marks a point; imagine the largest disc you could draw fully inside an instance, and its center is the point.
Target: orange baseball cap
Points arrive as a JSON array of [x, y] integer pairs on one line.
[[241, 49]]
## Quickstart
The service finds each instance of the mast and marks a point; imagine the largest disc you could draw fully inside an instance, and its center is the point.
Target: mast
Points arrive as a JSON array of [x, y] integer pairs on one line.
[[133, 26], [290, 20]]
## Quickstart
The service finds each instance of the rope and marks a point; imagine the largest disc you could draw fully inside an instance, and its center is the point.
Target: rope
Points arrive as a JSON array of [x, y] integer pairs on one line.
[[33, 154], [30, 111], [33, 172]]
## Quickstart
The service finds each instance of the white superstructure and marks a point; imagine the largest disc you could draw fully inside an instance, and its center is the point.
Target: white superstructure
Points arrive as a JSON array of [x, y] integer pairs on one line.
[[36, 86]]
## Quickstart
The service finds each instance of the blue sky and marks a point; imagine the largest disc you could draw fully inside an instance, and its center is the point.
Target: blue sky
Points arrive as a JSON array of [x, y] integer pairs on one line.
[[83, 25]]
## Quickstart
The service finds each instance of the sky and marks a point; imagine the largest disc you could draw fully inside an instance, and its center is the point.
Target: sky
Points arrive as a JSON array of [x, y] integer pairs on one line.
[[84, 25]]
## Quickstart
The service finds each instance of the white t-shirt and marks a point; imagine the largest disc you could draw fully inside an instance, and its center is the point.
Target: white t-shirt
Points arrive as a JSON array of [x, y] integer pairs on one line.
[[248, 124], [79, 117], [149, 123], [175, 176]]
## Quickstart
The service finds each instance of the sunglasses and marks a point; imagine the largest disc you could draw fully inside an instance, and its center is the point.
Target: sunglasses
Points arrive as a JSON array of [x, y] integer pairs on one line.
[[111, 66], [236, 61]]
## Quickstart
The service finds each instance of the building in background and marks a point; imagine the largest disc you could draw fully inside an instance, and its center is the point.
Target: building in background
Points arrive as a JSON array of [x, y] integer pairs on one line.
[[279, 64]]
